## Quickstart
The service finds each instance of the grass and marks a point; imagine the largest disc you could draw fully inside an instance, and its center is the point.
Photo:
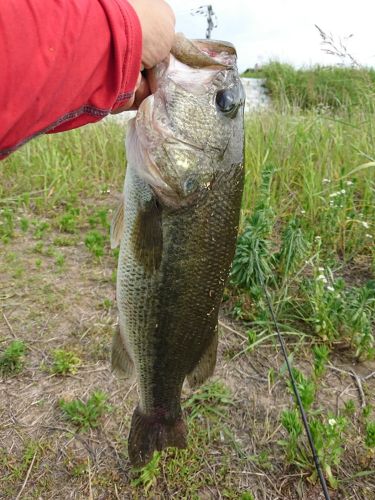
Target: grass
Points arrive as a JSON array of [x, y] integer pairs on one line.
[[306, 228], [64, 362], [12, 359], [86, 415], [321, 88]]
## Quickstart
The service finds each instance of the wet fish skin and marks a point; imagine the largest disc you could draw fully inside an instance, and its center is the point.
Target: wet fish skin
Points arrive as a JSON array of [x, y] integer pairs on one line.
[[177, 227]]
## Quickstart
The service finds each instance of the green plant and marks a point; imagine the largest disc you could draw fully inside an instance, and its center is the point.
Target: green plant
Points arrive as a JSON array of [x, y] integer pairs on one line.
[[148, 475], [328, 440], [349, 407], [370, 434], [321, 353], [12, 359], [253, 260], [95, 242], [107, 304], [211, 399], [24, 224], [305, 386], [99, 217], [6, 224], [294, 247], [86, 415], [67, 222], [59, 259], [64, 362], [40, 228]]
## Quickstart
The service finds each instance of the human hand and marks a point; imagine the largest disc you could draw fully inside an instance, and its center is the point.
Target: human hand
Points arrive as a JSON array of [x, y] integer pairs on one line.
[[157, 22]]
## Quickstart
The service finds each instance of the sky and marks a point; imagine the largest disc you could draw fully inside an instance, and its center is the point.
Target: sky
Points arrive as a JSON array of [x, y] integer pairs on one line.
[[284, 30]]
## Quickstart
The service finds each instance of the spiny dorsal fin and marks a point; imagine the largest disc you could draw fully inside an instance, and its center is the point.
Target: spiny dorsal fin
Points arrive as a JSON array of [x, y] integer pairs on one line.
[[117, 225]]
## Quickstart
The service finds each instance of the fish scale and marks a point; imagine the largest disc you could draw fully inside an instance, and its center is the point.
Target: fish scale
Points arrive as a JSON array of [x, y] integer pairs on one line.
[[177, 228]]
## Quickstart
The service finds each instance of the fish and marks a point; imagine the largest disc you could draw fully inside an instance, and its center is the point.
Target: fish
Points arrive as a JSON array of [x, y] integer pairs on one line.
[[176, 226]]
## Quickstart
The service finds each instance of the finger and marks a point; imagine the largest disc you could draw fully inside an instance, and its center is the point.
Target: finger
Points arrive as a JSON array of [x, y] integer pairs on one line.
[[142, 92]]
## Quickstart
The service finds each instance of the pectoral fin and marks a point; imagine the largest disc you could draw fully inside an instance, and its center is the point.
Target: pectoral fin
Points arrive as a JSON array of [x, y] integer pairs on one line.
[[117, 224], [147, 236], [120, 359], [206, 365]]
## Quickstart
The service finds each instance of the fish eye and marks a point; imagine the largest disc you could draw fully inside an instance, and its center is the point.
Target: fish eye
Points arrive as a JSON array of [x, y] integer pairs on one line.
[[227, 100]]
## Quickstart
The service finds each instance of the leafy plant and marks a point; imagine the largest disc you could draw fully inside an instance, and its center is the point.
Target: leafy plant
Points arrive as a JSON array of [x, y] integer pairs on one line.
[[6, 224], [148, 475], [306, 388], [67, 222], [370, 434], [253, 260], [86, 415], [321, 353], [40, 228], [211, 399], [294, 247], [12, 359], [65, 362], [328, 440], [95, 242]]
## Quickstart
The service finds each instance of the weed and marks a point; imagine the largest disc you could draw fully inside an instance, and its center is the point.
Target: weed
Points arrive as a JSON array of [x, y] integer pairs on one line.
[[67, 222], [40, 229], [95, 242], [370, 434], [100, 217], [349, 407], [12, 359], [211, 399], [6, 225], [247, 496], [107, 304], [328, 440], [24, 224], [59, 259], [86, 415], [148, 475], [305, 386], [64, 362], [64, 241], [294, 247], [321, 353]]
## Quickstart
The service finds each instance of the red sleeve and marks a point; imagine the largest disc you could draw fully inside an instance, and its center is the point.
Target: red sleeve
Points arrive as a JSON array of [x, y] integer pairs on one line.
[[64, 63]]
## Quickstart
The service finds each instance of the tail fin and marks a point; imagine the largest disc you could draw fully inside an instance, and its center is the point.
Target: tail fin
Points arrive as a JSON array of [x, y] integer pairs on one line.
[[149, 433]]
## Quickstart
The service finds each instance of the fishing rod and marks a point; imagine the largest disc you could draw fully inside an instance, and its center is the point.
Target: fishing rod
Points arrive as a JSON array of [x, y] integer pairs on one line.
[[294, 385]]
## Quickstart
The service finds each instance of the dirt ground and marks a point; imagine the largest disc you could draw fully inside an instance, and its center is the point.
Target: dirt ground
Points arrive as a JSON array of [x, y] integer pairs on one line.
[[237, 454]]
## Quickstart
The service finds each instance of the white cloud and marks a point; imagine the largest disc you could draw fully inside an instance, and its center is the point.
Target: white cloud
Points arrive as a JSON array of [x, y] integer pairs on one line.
[[284, 30]]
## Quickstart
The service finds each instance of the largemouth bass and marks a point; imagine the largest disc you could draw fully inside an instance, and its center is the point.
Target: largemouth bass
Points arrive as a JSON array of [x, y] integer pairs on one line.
[[177, 228]]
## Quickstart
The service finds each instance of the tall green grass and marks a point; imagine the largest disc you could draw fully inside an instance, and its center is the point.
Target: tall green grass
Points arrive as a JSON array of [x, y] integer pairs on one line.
[[324, 172], [63, 168], [338, 88]]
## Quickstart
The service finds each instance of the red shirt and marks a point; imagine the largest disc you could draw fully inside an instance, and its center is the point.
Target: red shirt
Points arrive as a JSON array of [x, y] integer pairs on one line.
[[64, 63]]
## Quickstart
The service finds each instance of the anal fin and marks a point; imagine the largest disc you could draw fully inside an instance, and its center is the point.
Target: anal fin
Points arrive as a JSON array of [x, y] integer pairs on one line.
[[206, 365], [120, 359]]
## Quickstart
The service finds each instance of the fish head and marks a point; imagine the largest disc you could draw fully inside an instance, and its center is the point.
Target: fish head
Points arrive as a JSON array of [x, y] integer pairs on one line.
[[190, 128]]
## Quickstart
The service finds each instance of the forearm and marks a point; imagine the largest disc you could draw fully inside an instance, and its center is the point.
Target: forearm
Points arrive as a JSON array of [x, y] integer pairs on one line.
[[64, 64]]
